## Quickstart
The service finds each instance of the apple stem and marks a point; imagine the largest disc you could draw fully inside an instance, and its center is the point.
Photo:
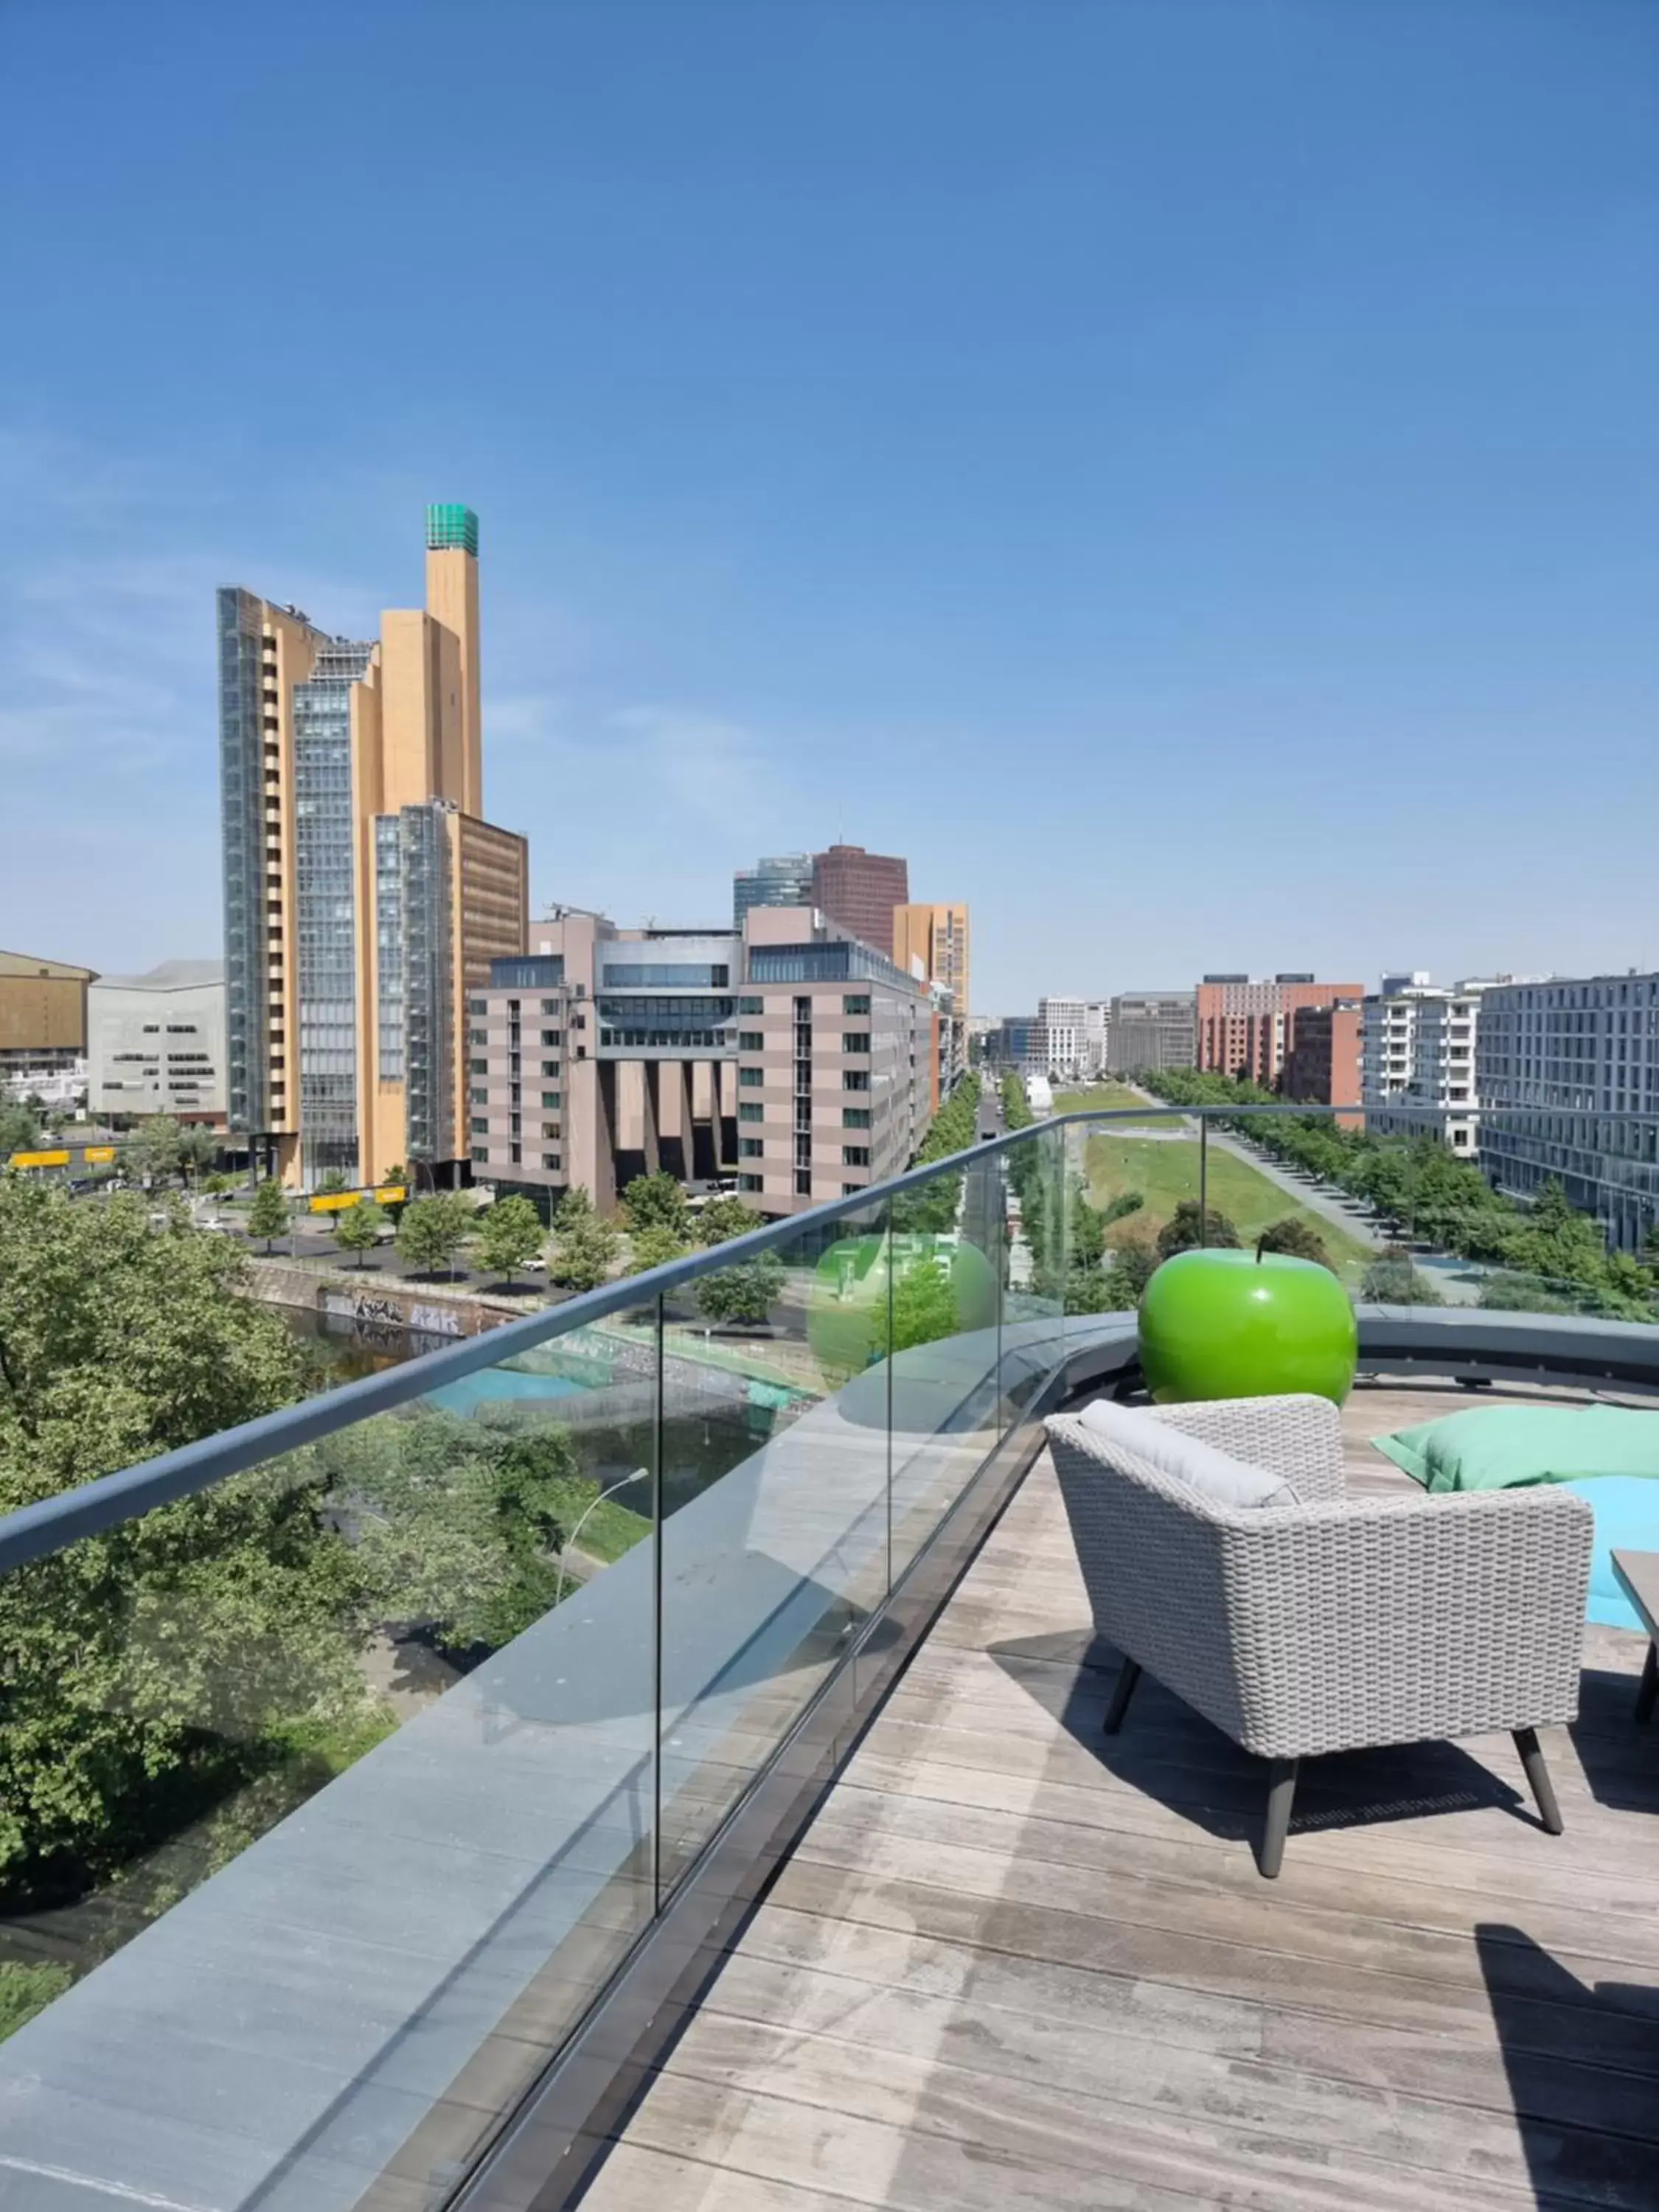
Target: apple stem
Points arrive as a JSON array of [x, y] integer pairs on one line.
[[1260, 1245]]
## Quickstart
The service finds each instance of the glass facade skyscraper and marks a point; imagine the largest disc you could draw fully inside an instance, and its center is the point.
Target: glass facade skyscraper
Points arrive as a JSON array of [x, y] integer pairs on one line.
[[785, 879]]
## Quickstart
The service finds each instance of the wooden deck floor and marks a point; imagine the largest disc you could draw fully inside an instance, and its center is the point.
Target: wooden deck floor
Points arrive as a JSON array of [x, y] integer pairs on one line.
[[1017, 1967]]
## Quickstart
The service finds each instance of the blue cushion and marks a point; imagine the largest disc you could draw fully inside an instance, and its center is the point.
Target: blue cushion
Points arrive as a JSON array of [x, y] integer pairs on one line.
[[1626, 1509]]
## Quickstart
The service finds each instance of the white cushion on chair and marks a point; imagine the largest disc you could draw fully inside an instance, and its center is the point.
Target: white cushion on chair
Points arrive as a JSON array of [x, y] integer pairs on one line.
[[1215, 1476]]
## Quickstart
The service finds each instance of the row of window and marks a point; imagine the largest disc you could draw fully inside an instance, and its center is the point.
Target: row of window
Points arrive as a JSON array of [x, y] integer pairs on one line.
[[852, 1155]]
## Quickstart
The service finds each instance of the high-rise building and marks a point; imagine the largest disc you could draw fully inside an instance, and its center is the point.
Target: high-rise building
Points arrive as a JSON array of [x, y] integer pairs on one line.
[[364, 893], [155, 1043], [784, 879], [1567, 1073], [1245, 1028], [789, 1050], [933, 939], [858, 891], [1150, 1029]]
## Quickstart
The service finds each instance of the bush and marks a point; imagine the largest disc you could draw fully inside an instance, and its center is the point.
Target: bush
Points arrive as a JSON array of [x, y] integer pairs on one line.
[[1392, 1280]]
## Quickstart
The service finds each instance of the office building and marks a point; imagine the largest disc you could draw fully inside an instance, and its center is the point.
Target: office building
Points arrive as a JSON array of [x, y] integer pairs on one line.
[[364, 892], [1246, 1028], [1151, 1029], [858, 891], [932, 942], [156, 1042], [43, 1019], [785, 879], [1567, 1071], [788, 1052]]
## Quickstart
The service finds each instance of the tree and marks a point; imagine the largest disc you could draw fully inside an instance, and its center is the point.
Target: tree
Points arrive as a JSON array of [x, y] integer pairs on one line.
[[654, 1246], [1133, 1268], [576, 1205], [18, 1131], [1181, 1232], [510, 1234], [744, 1295], [1119, 1208], [357, 1228], [657, 1202], [152, 1665], [154, 1151], [433, 1230], [723, 1218], [924, 1305], [1298, 1238], [198, 1150], [268, 1215], [335, 1183], [585, 1251]]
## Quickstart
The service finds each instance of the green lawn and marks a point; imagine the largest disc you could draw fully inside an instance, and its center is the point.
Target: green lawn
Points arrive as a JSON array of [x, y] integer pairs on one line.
[[1166, 1171], [1110, 1098]]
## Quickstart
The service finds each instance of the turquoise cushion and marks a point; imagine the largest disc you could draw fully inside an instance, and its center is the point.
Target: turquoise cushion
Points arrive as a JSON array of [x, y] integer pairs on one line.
[[1500, 1447], [1626, 1509]]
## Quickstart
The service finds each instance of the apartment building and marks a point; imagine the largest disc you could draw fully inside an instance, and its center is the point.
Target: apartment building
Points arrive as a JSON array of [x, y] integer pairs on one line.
[[1151, 1029], [1418, 1042], [365, 894], [789, 1051], [1246, 1027], [155, 1043], [1567, 1072], [1323, 1065], [785, 879], [858, 891]]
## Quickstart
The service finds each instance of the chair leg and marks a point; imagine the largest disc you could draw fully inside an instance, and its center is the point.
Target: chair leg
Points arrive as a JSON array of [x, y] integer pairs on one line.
[[1650, 1689], [1281, 1795], [1127, 1680], [1538, 1774]]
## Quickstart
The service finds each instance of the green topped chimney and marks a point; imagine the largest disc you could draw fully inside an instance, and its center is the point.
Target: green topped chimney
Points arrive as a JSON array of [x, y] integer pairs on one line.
[[449, 529]]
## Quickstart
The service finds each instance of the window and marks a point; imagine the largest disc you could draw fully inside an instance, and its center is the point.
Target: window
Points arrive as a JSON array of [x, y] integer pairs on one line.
[[477, 1036], [803, 1182], [751, 1041], [855, 1078], [749, 1112], [551, 1129], [557, 1036], [480, 1125], [515, 1154], [750, 1077], [550, 1160], [750, 1148], [855, 1117], [478, 1098], [631, 975], [751, 1006], [480, 1157], [750, 1183], [550, 1068], [555, 1098], [855, 1041], [854, 1190], [477, 1006], [857, 1002], [550, 1005], [152, 1028], [855, 1156], [477, 1067]]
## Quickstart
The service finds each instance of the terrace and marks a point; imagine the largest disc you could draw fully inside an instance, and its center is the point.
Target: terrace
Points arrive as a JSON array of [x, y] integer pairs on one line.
[[783, 1862]]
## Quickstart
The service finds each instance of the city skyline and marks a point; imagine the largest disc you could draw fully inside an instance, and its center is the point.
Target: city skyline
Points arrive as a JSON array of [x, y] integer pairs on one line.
[[1235, 602]]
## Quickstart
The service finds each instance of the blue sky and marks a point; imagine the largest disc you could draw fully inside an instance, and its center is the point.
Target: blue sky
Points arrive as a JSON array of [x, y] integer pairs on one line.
[[1186, 474]]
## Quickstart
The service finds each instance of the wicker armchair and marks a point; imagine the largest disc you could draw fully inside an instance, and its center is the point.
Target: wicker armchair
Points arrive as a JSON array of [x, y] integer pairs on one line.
[[1327, 1626]]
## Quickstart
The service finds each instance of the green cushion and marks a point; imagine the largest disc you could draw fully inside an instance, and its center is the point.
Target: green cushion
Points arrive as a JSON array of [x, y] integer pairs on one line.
[[1503, 1447]]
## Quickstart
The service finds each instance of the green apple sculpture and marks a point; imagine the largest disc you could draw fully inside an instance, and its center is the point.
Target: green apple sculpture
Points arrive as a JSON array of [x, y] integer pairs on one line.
[[1246, 1325]]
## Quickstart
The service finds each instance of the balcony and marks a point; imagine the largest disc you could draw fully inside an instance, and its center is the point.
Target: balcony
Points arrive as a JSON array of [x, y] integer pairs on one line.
[[792, 1742]]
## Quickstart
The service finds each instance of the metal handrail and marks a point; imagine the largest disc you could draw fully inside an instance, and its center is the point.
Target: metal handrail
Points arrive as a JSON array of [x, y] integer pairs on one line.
[[35, 1531]]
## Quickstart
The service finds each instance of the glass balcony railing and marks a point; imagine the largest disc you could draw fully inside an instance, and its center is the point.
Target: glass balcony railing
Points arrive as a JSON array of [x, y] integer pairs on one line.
[[402, 1723]]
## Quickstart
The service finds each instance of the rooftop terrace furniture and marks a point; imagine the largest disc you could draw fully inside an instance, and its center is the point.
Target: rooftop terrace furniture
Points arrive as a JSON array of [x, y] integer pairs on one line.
[[1320, 1625]]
